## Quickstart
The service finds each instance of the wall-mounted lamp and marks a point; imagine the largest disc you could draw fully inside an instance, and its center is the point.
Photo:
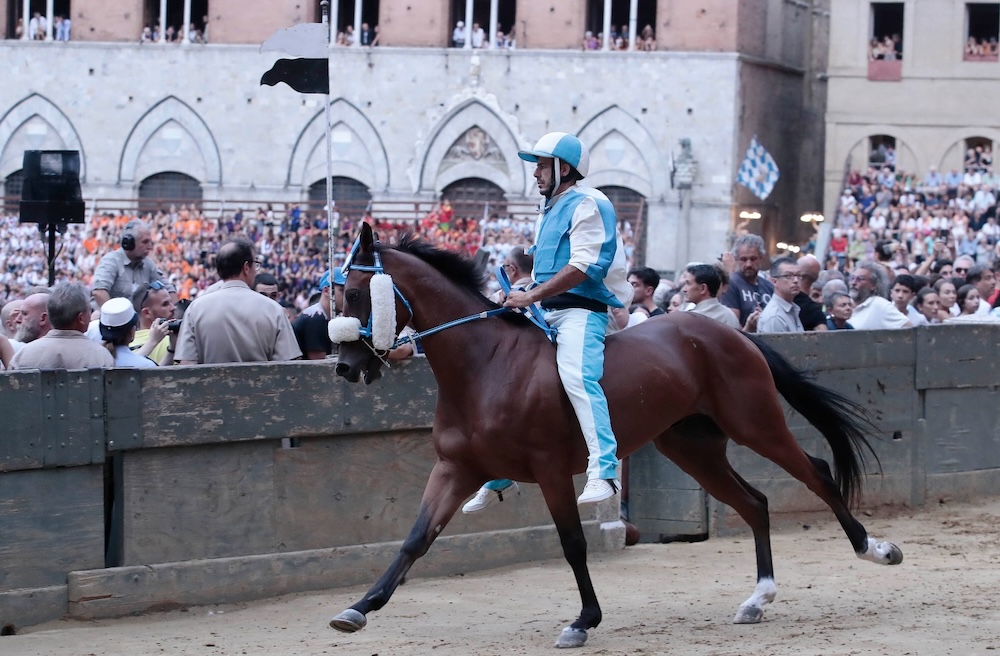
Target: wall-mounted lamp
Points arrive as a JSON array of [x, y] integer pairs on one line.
[[791, 248], [750, 215], [812, 217]]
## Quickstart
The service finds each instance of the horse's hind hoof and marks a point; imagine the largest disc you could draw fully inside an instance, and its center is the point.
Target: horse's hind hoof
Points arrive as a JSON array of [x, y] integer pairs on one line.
[[748, 615], [895, 555], [349, 621], [571, 637]]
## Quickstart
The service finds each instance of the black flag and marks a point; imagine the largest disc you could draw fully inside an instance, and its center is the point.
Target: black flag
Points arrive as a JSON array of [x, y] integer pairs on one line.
[[303, 75]]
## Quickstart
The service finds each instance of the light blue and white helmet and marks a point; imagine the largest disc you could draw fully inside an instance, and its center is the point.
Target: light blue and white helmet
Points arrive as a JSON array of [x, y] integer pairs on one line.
[[560, 146]]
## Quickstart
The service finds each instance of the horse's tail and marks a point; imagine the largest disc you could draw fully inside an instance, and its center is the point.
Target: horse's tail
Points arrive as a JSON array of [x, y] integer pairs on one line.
[[842, 422]]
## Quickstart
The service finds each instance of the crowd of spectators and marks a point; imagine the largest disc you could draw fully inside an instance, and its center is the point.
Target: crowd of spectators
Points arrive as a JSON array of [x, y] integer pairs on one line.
[[196, 34], [886, 48], [981, 48], [618, 39], [366, 36], [38, 27], [504, 40]]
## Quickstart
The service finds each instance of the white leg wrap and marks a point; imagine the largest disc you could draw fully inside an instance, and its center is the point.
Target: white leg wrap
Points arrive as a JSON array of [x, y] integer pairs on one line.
[[752, 610], [882, 553]]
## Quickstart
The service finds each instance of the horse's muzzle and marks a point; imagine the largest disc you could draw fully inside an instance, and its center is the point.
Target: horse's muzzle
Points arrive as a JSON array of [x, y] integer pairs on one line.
[[370, 369]]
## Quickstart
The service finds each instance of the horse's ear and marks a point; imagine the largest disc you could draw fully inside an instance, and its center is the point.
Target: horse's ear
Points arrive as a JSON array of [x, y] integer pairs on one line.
[[367, 238]]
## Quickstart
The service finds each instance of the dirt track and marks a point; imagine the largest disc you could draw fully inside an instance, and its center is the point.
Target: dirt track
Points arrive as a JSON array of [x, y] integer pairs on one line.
[[657, 599]]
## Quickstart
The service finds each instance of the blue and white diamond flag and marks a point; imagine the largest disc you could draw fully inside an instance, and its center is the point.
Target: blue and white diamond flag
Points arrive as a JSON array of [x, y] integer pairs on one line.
[[758, 172]]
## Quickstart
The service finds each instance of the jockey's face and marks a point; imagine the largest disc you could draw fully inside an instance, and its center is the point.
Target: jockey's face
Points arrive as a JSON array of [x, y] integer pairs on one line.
[[543, 175]]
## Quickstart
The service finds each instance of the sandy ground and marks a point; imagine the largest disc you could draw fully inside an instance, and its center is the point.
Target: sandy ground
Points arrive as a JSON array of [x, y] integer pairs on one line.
[[657, 599]]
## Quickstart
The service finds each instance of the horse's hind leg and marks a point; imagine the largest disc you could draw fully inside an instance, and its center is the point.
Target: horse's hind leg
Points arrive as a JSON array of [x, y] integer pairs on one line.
[[776, 443], [698, 447], [445, 490]]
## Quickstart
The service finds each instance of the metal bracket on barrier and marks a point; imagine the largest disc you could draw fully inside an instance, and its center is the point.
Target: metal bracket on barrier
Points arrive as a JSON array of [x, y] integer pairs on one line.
[[123, 394]]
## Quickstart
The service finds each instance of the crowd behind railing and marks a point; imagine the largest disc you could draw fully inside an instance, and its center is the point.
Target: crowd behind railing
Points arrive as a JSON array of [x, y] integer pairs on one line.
[[291, 241]]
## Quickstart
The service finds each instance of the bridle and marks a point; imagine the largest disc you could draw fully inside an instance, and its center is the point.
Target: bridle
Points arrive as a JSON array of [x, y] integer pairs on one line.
[[374, 335]]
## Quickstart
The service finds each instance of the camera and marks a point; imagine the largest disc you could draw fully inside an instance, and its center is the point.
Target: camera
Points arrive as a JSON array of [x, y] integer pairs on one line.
[[174, 326]]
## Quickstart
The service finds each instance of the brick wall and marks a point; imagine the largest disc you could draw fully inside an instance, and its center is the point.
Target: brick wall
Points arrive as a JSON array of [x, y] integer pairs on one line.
[[239, 21], [100, 20], [414, 23], [550, 23]]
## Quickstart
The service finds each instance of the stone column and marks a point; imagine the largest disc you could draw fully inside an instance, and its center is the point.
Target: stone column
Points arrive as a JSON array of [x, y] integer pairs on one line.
[[607, 25], [633, 18], [357, 21], [48, 19], [163, 21], [493, 23], [187, 21], [26, 20], [468, 24], [334, 21]]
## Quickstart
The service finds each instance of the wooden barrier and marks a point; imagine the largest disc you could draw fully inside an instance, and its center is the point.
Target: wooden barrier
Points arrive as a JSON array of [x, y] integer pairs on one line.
[[125, 491]]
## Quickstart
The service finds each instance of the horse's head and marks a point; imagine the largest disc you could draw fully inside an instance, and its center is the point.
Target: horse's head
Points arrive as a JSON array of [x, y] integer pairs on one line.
[[369, 325]]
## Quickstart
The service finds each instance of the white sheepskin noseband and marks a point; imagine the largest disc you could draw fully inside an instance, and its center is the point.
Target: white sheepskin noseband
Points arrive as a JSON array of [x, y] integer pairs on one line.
[[348, 329], [344, 329], [383, 312]]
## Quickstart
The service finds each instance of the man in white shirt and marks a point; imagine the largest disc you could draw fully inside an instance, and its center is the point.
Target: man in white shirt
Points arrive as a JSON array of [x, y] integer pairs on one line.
[[781, 314], [701, 286], [873, 311]]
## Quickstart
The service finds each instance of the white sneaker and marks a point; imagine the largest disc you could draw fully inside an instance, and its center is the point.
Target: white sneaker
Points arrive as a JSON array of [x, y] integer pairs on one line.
[[486, 496], [599, 489]]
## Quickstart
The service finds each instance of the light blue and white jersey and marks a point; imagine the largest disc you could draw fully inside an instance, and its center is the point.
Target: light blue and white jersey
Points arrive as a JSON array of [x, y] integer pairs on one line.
[[580, 229]]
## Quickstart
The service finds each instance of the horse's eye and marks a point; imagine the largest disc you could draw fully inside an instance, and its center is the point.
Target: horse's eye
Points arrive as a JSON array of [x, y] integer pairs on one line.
[[353, 296]]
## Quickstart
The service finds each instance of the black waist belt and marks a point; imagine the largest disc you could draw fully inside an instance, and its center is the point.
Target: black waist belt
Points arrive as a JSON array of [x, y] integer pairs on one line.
[[567, 300]]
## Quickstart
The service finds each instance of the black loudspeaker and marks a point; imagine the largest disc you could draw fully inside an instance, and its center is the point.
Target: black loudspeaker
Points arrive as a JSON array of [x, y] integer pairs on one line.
[[51, 192]]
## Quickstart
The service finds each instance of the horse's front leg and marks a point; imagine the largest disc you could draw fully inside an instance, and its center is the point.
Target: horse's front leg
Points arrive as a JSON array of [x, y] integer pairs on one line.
[[561, 500], [446, 489]]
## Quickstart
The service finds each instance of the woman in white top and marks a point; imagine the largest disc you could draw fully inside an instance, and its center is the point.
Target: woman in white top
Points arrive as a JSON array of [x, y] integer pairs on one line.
[[118, 322]]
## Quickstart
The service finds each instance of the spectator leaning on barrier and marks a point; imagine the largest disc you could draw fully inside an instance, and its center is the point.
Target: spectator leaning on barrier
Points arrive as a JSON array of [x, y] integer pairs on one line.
[[904, 290], [33, 318], [65, 346], [123, 271], [156, 309], [869, 288], [266, 284], [782, 314], [235, 323], [118, 322], [310, 327], [983, 279], [644, 281]]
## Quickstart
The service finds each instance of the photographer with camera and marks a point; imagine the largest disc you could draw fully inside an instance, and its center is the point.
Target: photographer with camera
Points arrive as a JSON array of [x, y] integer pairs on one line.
[[156, 321]]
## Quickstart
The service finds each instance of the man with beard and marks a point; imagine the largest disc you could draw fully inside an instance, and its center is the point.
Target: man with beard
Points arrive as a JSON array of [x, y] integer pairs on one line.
[[810, 312], [64, 344], [872, 310], [748, 294], [33, 319]]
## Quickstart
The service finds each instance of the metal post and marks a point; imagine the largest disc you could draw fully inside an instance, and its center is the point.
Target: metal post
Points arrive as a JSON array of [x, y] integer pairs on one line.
[[633, 19], [187, 21], [331, 229], [494, 10], [334, 10], [468, 24], [607, 25], [357, 22]]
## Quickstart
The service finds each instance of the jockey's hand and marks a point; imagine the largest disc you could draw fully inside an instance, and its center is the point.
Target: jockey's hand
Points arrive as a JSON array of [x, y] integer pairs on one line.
[[518, 299]]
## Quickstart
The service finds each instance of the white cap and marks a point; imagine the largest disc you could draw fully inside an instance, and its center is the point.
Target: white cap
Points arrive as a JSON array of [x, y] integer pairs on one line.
[[117, 312]]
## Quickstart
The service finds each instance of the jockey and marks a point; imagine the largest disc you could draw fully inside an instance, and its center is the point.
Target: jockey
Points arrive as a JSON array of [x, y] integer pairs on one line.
[[581, 272]]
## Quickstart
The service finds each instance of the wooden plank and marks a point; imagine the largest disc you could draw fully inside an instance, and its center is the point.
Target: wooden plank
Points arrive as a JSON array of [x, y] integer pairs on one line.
[[846, 349], [121, 591], [356, 489], [963, 430], [21, 443], [206, 502], [27, 607], [957, 356], [52, 522], [73, 417]]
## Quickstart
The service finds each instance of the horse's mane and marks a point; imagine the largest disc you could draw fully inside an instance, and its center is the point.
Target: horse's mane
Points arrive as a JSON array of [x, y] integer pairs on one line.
[[457, 267]]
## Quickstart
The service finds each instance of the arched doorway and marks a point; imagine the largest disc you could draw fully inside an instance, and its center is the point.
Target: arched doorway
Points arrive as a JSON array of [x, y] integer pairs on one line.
[[350, 197], [169, 187], [632, 212], [474, 197]]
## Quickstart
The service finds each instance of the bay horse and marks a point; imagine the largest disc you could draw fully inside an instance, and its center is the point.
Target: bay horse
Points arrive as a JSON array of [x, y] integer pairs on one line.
[[685, 382]]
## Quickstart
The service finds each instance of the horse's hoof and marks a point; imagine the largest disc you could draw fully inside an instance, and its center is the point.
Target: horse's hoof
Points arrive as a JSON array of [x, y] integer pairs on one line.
[[895, 555], [571, 637], [349, 621], [749, 615]]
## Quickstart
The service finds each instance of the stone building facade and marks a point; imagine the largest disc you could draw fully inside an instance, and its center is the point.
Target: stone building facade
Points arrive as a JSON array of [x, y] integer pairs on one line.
[[412, 116]]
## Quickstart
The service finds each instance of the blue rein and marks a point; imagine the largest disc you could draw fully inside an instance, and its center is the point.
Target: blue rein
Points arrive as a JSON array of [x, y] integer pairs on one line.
[[531, 312]]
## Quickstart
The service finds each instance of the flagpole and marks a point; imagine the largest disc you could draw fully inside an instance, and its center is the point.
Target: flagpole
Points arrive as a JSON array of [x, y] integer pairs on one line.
[[332, 230]]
